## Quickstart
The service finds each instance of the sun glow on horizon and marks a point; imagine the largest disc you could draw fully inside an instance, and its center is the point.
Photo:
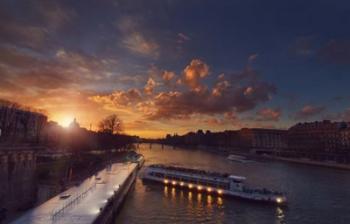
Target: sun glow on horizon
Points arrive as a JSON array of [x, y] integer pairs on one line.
[[64, 120]]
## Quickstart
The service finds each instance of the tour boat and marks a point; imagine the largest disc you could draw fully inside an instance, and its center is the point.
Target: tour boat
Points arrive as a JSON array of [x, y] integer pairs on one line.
[[140, 161], [237, 158], [210, 182], [137, 158]]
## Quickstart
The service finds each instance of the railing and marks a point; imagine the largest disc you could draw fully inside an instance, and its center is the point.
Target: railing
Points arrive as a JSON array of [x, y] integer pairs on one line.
[[71, 201]]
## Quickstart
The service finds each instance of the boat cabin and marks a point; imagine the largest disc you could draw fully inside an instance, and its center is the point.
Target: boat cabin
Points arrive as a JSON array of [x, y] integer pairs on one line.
[[236, 182]]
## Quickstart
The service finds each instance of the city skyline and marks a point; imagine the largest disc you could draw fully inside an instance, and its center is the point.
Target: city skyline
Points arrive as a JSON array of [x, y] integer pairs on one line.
[[173, 67]]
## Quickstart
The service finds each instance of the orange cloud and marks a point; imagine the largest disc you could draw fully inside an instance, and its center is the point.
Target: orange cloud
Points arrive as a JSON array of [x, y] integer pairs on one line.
[[197, 100], [268, 114], [193, 73], [221, 86], [119, 98], [309, 111], [168, 76], [149, 87]]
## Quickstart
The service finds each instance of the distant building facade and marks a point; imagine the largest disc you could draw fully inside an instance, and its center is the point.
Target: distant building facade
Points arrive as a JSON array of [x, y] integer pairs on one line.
[[320, 140], [20, 125], [263, 140], [245, 139]]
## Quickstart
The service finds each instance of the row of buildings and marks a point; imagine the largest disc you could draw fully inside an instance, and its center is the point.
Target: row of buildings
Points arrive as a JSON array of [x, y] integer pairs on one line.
[[20, 125], [320, 140]]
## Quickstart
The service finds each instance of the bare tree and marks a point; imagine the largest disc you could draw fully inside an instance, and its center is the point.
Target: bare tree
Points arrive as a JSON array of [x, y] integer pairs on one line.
[[111, 124]]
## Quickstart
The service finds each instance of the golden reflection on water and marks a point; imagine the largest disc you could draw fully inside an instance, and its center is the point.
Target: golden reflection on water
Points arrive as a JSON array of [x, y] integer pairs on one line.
[[280, 215], [219, 201], [199, 197], [173, 193], [190, 196], [209, 200], [181, 195], [166, 191]]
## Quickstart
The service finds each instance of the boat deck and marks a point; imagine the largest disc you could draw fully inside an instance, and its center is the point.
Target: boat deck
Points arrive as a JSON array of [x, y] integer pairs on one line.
[[84, 203]]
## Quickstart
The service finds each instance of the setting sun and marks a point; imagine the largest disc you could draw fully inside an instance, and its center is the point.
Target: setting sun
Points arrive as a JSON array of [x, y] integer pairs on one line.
[[65, 120]]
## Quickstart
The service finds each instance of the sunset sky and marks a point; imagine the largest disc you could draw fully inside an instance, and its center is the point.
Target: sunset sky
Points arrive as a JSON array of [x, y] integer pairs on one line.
[[174, 66]]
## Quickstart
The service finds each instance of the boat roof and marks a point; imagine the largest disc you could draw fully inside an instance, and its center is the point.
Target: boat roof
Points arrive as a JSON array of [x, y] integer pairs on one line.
[[237, 177], [190, 170]]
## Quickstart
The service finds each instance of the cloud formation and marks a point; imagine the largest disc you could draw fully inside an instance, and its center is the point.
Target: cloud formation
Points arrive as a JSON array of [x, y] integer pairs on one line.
[[149, 87], [46, 19], [135, 40], [197, 98], [309, 111], [138, 44], [182, 38], [268, 114], [193, 73], [119, 98]]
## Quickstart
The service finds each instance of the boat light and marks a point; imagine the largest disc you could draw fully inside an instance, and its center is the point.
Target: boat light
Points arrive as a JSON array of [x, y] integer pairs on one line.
[[199, 187], [95, 211], [174, 182], [166, 181], [182, 184], [279, 200], [209, 189], [190, 186], [219, 191]]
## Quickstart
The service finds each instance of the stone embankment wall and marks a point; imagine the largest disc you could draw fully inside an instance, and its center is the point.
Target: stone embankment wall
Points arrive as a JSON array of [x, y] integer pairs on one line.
[[17, 179]]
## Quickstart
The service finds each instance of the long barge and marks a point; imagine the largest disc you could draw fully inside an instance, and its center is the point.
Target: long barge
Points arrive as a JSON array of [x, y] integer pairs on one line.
[[210, 182]]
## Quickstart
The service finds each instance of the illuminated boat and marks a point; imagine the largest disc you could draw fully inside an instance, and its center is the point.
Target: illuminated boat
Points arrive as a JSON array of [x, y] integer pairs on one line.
[[210, 182], [137, 158]]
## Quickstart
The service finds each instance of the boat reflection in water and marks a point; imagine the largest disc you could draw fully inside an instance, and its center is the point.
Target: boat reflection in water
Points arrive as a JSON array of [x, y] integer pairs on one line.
[[198, 201]]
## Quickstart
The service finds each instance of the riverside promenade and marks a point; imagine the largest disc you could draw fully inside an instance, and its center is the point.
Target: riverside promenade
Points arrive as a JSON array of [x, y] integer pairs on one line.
[[89, 202]]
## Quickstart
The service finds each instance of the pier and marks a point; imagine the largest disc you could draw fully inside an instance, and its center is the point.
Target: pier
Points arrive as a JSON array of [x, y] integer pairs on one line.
[[95, 200]]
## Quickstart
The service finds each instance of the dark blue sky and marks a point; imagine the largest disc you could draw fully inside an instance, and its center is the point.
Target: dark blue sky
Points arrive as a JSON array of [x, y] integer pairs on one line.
[[294, 56]]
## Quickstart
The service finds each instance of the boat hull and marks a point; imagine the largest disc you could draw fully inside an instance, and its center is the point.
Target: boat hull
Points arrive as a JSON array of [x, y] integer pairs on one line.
[[213, 190]]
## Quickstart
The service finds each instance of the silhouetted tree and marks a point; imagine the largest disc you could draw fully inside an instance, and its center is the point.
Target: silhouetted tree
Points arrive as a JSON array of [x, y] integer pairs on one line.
[[111, 124]]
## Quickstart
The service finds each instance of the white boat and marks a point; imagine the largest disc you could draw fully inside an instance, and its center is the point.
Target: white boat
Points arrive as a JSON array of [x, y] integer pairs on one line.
[[140, 161], [237, 158], [137, 158], [210, 182]]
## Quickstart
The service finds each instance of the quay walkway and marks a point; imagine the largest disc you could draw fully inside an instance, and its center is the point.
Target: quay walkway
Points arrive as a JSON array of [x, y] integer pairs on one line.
[[84, 204]]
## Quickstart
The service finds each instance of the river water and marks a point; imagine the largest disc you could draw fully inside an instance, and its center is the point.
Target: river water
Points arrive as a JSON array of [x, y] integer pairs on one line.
[[316, 195]]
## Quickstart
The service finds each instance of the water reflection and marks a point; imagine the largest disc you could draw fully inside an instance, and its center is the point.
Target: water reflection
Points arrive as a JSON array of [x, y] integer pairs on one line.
[[209, 200], [280, 215], [199, 197], [166, 191], [173, 193], [220, 201], [190, 196]]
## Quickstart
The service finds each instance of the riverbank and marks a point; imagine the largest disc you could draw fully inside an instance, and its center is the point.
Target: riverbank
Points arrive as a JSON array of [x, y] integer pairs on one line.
[[226, 151], [310, 162], [53, 176], [95, 200]]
